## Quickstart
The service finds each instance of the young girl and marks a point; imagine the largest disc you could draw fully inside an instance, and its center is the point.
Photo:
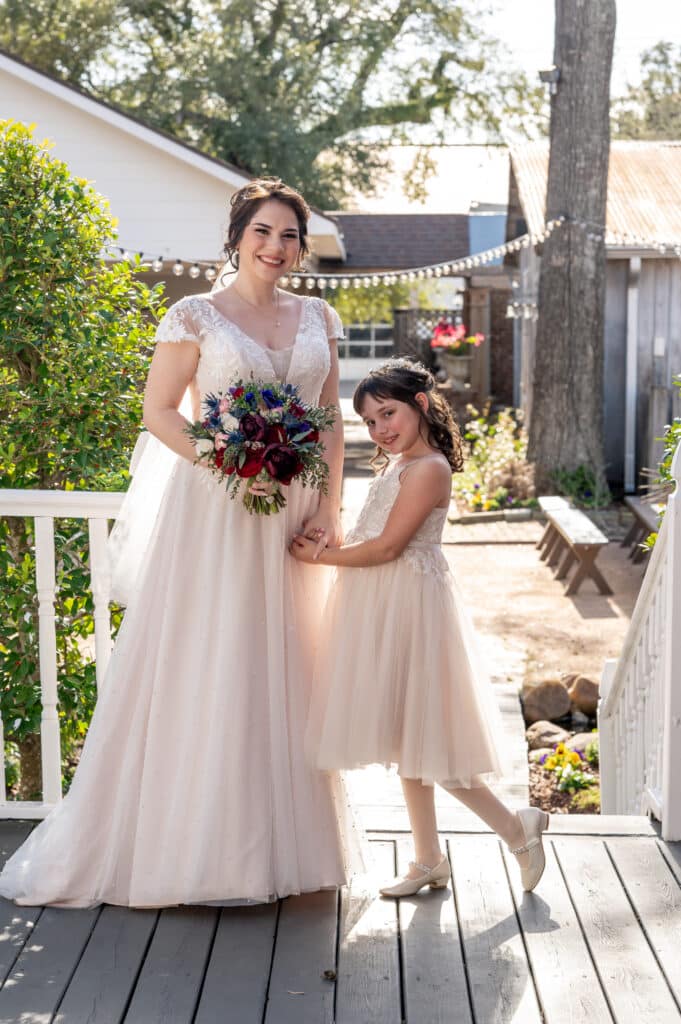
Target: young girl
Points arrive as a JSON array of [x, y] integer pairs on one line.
[[397, 677]]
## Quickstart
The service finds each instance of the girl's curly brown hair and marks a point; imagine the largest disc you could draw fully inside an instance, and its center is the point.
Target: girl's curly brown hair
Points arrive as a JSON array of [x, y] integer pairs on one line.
[[247, 200], [402, 380]]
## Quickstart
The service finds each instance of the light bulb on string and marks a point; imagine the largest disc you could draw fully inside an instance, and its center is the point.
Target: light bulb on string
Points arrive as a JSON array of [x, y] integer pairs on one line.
[[310, 283], [178, 268], [295, 282], [157, 265], [333, 282], [345, 282], [211, 272], [194, 270], [283, 281]]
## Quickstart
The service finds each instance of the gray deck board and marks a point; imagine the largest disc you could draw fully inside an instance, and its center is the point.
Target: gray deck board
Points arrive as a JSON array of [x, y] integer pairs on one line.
[[368, 987], [435, 988], [598, 941], [629, 974], [236, 981], [169, 984], [501, 985], [104, 979]]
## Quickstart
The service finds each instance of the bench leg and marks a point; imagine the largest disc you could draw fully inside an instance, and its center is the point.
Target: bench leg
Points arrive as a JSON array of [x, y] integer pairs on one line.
[[544, 537], [566, 564], [552, 537], [557, 552], [586, 567], [630, 534], [641, 532]]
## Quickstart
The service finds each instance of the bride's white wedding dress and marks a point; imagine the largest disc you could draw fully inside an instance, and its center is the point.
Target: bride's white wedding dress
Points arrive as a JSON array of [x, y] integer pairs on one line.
[[192, 785]]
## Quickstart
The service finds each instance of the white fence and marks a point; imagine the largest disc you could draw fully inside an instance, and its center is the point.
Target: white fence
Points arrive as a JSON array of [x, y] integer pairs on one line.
[[639, 716], [44, 507]]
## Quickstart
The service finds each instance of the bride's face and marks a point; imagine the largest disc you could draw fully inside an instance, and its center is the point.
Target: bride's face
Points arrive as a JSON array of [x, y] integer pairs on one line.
[[270, 243]]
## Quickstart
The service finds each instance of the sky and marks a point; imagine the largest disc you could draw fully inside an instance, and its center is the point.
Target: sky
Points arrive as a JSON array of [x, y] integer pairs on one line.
[[526, 26]]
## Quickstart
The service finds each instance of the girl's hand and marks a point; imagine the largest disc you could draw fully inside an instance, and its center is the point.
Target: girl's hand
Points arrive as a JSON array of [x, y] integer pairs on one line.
[[304, 549], [324, 527]]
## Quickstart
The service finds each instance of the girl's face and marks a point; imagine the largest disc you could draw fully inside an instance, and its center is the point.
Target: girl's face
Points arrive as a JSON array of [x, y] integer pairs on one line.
[[394, 426], [270, 243]]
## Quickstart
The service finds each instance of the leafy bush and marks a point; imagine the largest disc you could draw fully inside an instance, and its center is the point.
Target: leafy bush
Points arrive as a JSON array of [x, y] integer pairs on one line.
[[591, 753], [74, 345], [587, 801], [496, 473], [663, 481], [581, 486]]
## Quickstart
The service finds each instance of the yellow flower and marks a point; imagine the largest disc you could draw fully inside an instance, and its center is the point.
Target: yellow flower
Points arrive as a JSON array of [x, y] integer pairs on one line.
[[550, 762], [574, 757], [560, 749]]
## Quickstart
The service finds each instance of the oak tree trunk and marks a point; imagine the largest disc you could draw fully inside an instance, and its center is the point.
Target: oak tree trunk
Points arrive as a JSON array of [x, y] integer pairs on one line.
[[566, 425]]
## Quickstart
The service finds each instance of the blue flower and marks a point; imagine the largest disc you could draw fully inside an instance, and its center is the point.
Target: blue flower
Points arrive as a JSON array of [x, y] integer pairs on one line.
[[270, 399], [250, 398]]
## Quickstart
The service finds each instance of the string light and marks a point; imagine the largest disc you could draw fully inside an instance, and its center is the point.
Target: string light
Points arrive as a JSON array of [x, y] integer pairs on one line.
[[594, 233]]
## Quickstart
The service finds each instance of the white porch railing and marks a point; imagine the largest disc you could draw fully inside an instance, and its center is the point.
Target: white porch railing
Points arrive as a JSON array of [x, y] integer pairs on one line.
[[639, 715], [44, 507]]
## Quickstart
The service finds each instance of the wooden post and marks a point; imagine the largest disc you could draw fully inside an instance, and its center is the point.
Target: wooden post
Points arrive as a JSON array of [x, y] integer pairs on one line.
[[671, 744]]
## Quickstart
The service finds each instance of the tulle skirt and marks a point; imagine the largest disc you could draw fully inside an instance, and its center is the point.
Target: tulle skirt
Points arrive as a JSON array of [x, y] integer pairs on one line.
[[399, 680], [193, 786]]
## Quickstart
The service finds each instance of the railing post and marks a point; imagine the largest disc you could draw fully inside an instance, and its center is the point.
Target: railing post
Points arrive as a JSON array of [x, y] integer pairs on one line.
[[100, 584], [50, 746], [607, 747], [671, 747]]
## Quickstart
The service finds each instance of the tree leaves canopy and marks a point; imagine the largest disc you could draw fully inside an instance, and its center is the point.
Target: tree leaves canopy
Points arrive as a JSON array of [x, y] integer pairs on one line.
[[652, 109], [299, 88]]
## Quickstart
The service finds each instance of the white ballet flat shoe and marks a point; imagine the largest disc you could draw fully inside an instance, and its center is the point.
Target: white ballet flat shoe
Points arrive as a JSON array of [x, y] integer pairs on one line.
[[533, 822], [436, 878]]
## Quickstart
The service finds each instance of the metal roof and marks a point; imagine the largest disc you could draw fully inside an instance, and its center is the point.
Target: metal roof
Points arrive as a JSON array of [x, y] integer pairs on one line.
[[644, 190]]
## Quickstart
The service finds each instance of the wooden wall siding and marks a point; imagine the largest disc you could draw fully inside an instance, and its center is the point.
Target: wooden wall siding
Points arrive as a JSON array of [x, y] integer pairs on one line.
[[659, 317], [615, 368]]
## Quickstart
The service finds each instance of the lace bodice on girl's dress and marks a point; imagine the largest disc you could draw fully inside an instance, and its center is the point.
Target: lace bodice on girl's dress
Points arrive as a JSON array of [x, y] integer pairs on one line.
[[227, 352], [423, 552]]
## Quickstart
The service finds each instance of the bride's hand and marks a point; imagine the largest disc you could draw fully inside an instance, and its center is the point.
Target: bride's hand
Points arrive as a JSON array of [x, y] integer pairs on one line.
[[303, 549], [261, 487], [325, 528]]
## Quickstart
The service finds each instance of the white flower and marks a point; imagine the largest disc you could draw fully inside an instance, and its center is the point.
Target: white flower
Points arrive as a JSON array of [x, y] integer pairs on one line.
[[229, 422], [204, 446]]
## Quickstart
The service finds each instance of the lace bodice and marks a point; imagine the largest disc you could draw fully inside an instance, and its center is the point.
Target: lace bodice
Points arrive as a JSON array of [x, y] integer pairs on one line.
[[423, 552], [226, 352]]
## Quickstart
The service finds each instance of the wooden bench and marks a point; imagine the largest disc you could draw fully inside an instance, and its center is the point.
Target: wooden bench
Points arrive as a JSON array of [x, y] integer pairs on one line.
[[569, 539], [646, 520]]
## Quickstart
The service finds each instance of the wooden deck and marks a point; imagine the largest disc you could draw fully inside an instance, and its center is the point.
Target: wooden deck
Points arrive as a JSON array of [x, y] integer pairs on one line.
[[598, 942]]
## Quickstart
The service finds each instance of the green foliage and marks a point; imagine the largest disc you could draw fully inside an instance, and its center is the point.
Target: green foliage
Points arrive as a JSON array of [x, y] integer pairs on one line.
[[581, 486], [569, 769], [652, 109], [591, 753], [299, 88], [496, 473], [664, 481], [586, 801], [375, 304], [73, 354]]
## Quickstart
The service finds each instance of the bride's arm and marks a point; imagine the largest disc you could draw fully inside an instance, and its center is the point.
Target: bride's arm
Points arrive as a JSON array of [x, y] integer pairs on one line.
[[172, 368], [327, 517]]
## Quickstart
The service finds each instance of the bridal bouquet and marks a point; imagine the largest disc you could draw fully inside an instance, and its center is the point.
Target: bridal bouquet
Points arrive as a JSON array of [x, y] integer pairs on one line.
[[262, 432]]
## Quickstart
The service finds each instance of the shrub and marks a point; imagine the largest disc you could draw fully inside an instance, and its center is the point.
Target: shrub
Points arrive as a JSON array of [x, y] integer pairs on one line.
[[73, 355], [581, 486], [496, 473], [587, 801]]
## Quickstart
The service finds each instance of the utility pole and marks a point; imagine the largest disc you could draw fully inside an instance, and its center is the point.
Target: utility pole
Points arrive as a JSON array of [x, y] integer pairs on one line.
[[566, 425]]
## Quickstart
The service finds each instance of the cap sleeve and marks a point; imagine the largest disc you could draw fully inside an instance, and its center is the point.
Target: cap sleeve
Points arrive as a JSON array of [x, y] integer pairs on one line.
[[177, 323], [334, 325]]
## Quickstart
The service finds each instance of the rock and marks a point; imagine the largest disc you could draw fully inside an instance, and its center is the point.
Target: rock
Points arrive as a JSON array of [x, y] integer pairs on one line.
[[579, 722], [581, 741], [584, 695], [536, 755], [545, 734], [548, 700]]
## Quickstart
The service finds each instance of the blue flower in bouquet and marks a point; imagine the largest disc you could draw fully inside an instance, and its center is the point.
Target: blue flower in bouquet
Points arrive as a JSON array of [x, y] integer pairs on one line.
[[270, 399], [251, 399]]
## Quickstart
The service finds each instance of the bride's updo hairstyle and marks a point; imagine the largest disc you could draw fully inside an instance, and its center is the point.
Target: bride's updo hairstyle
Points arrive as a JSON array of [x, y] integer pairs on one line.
[[402, 380], [246, 201]]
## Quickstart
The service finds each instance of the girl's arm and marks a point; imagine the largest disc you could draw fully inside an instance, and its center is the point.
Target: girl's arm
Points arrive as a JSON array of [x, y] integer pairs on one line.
[[172, 368], [426, 485]]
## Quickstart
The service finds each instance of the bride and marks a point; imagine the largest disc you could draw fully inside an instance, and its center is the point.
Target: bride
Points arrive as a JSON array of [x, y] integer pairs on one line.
[[192, 785]]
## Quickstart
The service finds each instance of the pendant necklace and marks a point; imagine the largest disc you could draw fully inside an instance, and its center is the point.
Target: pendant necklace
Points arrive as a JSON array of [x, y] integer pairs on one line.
[[253, 305]]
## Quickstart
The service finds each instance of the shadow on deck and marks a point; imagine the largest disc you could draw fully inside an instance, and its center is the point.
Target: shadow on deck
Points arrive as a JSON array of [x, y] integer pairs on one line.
[[599, 941]]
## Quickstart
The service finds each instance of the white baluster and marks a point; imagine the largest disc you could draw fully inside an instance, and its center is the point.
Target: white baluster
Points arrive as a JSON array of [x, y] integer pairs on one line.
[[607, 745], [49, 727], [3, 787], [671, 757], [100, 582]]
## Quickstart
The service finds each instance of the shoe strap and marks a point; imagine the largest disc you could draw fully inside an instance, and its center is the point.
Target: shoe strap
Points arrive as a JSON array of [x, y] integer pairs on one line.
[[422, 867], [527, 847]]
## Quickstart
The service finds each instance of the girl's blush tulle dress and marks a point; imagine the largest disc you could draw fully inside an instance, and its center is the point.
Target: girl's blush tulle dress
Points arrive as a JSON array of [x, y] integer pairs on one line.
[[398, 679]]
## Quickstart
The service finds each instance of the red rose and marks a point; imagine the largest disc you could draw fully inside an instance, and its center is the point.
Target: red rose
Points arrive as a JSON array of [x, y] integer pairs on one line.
[[282, 463], [237, 392], [219, 458], [253, 463], [296, 409], [313, 436], [276, 434], [253, 426]]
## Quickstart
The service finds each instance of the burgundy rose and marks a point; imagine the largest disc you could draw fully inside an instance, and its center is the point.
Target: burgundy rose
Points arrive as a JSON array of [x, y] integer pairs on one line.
[[276, 434], [253, 463], [253, 426], [282, 463]]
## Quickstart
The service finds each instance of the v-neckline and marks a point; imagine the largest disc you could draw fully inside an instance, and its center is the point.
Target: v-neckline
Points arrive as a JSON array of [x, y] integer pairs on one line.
[[264, 348]]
